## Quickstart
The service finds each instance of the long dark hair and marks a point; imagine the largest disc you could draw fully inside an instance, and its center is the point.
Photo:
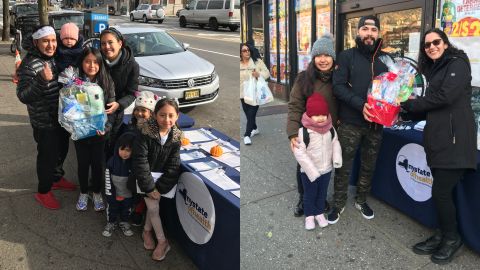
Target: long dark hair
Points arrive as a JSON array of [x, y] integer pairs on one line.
[[306, 79], [424, 62], [102, 78]]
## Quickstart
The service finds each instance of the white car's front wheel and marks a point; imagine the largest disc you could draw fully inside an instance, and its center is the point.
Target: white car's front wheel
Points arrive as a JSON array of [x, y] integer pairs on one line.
[[131, 18]]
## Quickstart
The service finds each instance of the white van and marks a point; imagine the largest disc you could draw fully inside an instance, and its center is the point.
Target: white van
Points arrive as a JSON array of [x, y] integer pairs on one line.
[[214, 13]]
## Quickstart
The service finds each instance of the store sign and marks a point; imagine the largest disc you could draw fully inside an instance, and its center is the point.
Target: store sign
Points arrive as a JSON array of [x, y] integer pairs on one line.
[[460, 20], [413, 172], [195, 208]]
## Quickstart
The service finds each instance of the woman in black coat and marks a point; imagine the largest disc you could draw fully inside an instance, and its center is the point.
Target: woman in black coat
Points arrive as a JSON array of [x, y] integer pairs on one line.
[[124, 71], [449, 134]]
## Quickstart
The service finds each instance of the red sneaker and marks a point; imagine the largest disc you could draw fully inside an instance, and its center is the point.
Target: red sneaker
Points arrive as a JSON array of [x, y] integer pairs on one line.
[[47, 200], [64, 184]]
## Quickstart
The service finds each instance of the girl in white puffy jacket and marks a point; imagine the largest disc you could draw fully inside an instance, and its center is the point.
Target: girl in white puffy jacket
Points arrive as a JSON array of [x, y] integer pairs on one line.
[[318, 153]]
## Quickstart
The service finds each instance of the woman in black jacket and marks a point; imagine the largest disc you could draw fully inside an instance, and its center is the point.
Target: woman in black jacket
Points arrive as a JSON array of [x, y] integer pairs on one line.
[[449, 134], [157, 149], [124, 71]]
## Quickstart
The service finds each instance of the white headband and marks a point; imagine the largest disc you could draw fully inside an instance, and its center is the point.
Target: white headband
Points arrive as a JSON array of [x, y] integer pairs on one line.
[[43, 32]]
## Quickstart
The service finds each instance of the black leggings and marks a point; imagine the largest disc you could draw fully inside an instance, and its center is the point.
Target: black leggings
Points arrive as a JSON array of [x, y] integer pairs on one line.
[[444, 181], [91, 155], [251, 114]]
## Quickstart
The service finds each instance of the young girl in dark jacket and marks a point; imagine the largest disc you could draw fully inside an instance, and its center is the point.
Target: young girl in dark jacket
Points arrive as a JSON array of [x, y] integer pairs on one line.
[[90, 151], [157, 149]]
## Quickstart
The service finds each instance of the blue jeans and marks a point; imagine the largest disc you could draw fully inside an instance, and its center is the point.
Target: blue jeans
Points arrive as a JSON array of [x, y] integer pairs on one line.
[[315, 194]]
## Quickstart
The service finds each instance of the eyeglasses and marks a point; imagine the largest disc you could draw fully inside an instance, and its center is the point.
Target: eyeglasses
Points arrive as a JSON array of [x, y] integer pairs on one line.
[[435, 42], [245, 50]]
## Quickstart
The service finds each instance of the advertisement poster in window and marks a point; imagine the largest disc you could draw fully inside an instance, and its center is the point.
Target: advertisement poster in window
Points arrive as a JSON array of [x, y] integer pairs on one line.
[[273, 66], [303, 9], [323, 17], [283, 39], [460, 20], [272, 26]]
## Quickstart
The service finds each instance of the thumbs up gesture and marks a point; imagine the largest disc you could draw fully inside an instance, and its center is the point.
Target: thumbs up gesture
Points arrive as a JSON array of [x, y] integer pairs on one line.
[[46, 73]]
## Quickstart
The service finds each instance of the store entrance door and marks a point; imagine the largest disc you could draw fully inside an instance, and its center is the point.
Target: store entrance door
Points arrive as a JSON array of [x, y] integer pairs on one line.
[[400, 27]]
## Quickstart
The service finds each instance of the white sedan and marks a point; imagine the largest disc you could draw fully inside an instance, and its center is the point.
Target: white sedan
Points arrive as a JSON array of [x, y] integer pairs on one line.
[[168, 68]]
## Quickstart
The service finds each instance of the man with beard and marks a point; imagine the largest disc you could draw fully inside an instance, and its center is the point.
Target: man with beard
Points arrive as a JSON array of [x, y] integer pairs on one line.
[[352, 77]]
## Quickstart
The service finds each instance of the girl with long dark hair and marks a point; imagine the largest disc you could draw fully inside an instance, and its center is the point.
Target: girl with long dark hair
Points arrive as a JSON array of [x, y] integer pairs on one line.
[[90, 151]]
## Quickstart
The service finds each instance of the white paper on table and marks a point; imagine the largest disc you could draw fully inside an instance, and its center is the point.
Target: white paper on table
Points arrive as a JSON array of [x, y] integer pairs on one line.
[[155, 175], [219, 178], [231, 159], [236, 193], [420, 125], [192, 155], [199, 135], [226, 146], [203, 166]]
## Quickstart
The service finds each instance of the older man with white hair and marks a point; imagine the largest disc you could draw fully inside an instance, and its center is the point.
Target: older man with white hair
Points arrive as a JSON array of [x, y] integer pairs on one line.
[[39, 90]]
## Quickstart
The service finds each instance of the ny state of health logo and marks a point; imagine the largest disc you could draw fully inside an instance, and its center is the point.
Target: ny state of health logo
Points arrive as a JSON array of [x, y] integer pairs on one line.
[[419, 175]]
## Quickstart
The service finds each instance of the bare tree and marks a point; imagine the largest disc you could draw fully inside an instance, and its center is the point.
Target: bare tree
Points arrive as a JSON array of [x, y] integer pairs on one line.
[[42, 11], [6, 21]]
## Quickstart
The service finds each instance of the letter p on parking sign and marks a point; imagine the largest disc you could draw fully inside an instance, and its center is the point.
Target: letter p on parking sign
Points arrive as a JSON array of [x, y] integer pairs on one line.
[[100, 26]]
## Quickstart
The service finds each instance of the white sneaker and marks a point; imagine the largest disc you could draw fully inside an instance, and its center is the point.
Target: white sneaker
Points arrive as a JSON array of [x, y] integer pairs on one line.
[[254, 132], [98, 204], [82, 202], [309, 223], [247, 140], [108, 230], [126, 228]]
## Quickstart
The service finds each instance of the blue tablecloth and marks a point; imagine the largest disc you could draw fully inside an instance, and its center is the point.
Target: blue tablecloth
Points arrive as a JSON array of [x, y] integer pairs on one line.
[[222, 251], [387, 187], [184, 121]]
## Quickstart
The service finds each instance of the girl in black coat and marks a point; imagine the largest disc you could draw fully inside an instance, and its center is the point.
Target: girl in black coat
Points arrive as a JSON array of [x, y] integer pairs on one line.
[[157, 149], [90, 151], [449, 134]]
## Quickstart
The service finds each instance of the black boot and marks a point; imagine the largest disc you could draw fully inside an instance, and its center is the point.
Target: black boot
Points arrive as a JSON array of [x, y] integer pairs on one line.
[[428, 246], [298, 211], [451, 243]]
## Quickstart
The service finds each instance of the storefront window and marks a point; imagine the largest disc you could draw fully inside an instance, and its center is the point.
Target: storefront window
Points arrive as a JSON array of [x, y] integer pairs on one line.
[[303, 10], [257, 27], [350, 32], [283, 34], [400, 31], [272, 26], [323, 17]]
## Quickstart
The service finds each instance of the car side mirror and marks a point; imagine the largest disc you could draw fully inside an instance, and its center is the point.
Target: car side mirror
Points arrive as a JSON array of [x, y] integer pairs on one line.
[[186, 46], [187, 7]]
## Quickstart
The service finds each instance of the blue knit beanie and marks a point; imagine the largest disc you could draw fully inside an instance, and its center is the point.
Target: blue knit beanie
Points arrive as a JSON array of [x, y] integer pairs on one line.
[[323, 45]]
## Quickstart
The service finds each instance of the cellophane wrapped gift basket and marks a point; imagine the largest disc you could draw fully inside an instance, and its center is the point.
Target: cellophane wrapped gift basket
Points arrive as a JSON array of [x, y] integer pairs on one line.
[[81, 109], [389, 89]]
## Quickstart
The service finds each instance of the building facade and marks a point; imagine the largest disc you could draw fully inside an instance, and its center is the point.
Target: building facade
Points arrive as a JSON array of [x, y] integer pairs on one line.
[[284, 30]]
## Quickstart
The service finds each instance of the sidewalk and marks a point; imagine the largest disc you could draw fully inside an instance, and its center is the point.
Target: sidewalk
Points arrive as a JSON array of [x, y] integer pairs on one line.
[[32, 237], [272, 238]]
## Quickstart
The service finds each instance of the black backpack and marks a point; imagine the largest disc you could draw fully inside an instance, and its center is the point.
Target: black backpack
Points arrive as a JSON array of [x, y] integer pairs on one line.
[[306, 136]]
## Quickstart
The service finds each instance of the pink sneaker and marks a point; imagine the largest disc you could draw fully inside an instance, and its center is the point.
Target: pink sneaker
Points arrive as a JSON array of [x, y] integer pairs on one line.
[[309, 223], [322, 221]]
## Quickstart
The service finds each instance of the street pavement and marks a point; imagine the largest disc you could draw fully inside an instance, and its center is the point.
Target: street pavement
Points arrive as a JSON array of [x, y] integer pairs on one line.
[[272, 238], [32, 237]]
